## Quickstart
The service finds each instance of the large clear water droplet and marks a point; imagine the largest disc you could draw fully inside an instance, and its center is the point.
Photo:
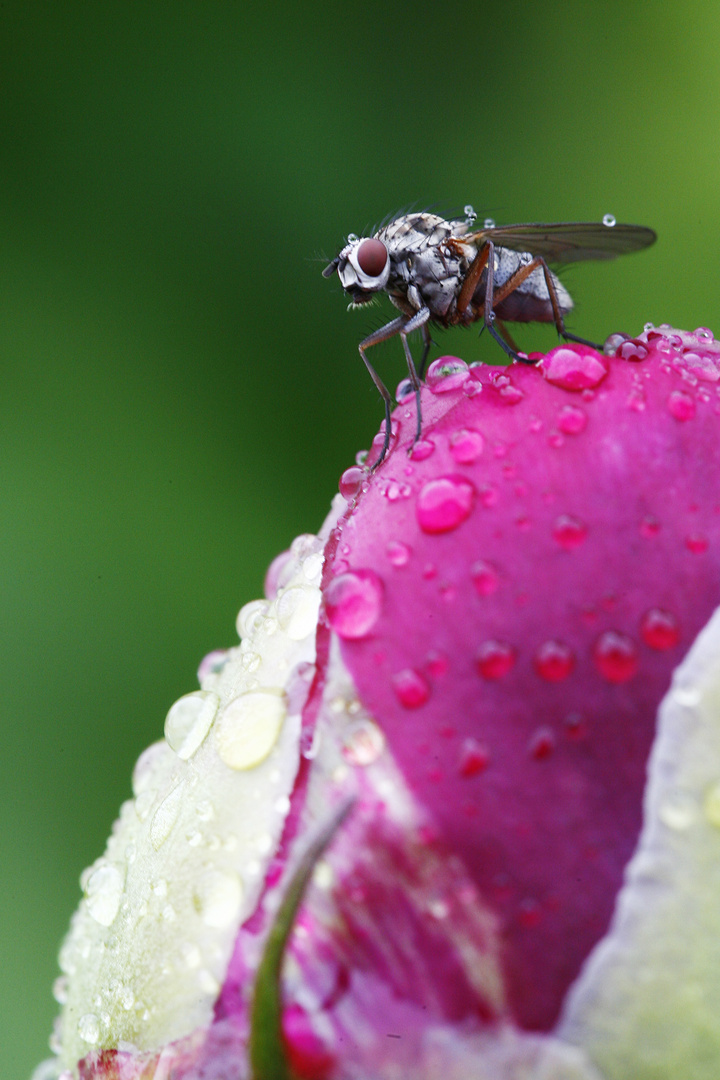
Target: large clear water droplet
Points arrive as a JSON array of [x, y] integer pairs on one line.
[[249, 727], [188, 722]]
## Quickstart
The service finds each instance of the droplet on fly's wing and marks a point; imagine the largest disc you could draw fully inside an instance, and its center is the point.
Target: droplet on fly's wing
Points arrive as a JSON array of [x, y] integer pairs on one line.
[[608, 220]]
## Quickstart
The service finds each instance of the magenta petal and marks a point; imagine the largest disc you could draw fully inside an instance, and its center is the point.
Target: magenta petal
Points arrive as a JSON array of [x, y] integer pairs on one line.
[[555, 673]]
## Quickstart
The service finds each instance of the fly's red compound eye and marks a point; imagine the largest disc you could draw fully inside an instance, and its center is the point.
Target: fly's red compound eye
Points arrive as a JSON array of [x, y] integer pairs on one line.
[[371, 257]]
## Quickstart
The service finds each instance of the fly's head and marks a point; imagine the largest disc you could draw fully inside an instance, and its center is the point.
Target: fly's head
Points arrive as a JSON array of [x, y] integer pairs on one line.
[[363, 267]]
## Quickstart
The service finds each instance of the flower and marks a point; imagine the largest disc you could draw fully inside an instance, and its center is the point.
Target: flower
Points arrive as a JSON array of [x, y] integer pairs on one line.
[[474, 651]]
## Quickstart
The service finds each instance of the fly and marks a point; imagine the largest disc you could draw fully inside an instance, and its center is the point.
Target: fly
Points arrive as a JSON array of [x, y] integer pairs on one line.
[[448, 273]]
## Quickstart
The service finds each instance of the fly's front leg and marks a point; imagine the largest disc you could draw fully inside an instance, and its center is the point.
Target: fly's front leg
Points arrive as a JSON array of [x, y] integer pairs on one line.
[[385, 332], [427, 342], [416, 323]]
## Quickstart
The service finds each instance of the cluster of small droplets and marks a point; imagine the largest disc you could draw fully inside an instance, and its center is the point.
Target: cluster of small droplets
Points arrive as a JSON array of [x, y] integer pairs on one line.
[[148, 949]]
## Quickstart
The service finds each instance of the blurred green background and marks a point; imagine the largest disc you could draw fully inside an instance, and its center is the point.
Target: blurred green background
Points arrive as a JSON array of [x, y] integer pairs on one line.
[[181, 389]]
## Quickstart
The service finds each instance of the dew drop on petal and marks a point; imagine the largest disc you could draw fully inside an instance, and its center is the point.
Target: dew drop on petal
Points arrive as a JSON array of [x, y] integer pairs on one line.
[[466, 445], [554, 661], [697, 543], [569, 531], [353, 602], [542, 744], [484, 577], [88, 1028], [474, 758], [436, 664], [681, 405], [632, 350], [188, 722], [166, 815], [572, 419], [659, 629], [615, 656], [444, 503], [446, 373], [398, 553], [351, 481], [495, 659], [649, 527], [363, 743], [212, 664], [297, 611], [411, 688], [249, 727], [422, 449], [103, 893], [578, 368]]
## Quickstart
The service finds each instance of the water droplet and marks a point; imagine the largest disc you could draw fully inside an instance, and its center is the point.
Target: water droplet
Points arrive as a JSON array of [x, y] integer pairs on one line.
[[681, 405], [250, 618], [632, 350], [470, 214], [444, 503], [649, 527], [554, 661], [149, 768], [188, 722], [541, 744], [411, 688], [697, 543], [166, 815], [89, 1028], [569, 531], [405, 391], [572, 419], [489, 223], [608, 220], [353, 602], [575, 726], [495, 659], [678, 810], [466, 446], [398, 553], [249, 727], [489, 495], [577, 368], [363, 743], [278, 574], [484, 577], [212, 664], [659, 629], [446, 373], [217, 896], [297, 611], [422, 449], [436, 664], [351, 481], [711, 805], [615, 656], [60, 989], [103, 893], [474, 758]]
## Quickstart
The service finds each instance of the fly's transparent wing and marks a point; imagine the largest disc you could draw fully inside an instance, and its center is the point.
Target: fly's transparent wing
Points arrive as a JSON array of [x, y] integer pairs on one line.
[[569, 241]]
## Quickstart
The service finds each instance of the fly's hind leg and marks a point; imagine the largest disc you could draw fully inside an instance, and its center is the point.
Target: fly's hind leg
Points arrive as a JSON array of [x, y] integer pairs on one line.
[[521, 275]]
